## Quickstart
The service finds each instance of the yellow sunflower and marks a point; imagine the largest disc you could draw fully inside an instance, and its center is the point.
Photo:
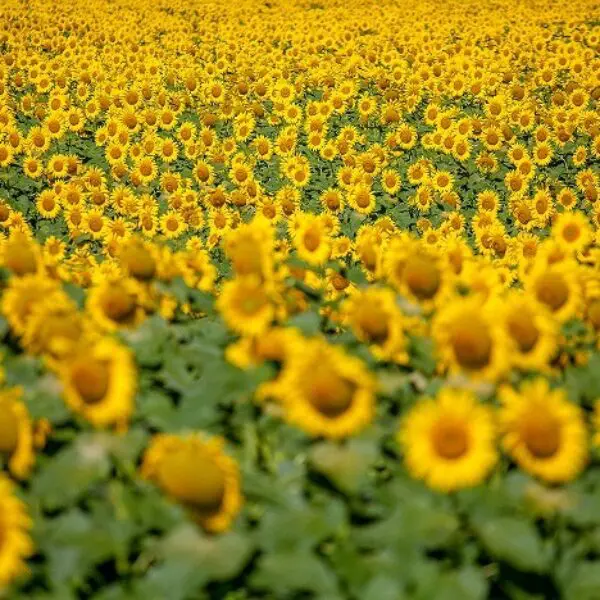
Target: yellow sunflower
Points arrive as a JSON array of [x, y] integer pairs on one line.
[[375, 318], [114, 303], [15, 523], [193, 470], [557, 286], [100, 382], [572, 230], [543, 432], [16, 433], [448, 442], [532, 330], [245, 304], [470, 338], [324, 391]]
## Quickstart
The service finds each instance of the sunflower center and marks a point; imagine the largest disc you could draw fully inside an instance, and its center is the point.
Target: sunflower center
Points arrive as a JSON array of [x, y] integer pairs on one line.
[[329, 393], [523, 331], [571, 232], [194, 478], [253, 302], [91, 380], [312, 239], [450, 439], [9, 429], [118, 305], [422, 277], [552, 290], [472, 343], [374, 325], [541, 434]]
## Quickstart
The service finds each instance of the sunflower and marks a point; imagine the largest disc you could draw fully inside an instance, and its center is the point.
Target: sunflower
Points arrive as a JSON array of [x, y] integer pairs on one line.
[[375, 318], [172, 225], [114, 303], [324, 391], [362, 199], [193, 470], [16, 433], [448, 442], [99, 382], [20, 255], [250, 247], [138, 259], [15, 524], [572, 230], [22, 295], [415, 271], [311, 239], [245, 303], [470, 339], [532, 330], [557, 286], [542, 431]]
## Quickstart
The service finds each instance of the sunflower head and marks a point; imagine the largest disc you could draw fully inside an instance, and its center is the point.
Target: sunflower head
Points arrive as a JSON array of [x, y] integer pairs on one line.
[[195, 471], [449, 441], [99, 382], [16, 433]]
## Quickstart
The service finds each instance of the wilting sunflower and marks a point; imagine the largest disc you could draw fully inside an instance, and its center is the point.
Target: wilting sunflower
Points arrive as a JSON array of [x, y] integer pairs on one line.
[[100, 382], [377, 320], [449, 441], [193, 470], [470, 338], [15, 543], [324, 391], [16, 433], [245, 304], [542, 431]]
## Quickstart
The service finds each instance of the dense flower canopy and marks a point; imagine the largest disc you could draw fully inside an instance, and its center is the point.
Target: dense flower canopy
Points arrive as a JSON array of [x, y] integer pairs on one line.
[[299, 299]]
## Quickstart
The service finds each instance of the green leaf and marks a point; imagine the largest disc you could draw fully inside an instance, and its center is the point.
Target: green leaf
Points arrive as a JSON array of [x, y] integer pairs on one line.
[[514, 541], [284, 572]]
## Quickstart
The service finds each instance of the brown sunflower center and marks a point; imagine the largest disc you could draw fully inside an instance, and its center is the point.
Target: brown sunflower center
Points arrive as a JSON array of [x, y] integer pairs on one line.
[[91, 379], [472, 343], [9, 429], [523, 330], [571, 232], [374, 324], [422, 277], [541, 433], [194, 478], [450, 439], [329, 393], [118, 304], [312, 239], [552, 290]]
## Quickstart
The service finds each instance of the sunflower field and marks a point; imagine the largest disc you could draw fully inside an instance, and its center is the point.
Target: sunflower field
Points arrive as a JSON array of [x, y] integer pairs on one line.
[[299, 299]]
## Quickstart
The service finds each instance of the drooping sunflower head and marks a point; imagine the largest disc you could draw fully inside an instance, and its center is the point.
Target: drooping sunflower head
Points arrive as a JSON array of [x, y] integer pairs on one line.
[[100, 382], [193, 470], [449, 441]]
